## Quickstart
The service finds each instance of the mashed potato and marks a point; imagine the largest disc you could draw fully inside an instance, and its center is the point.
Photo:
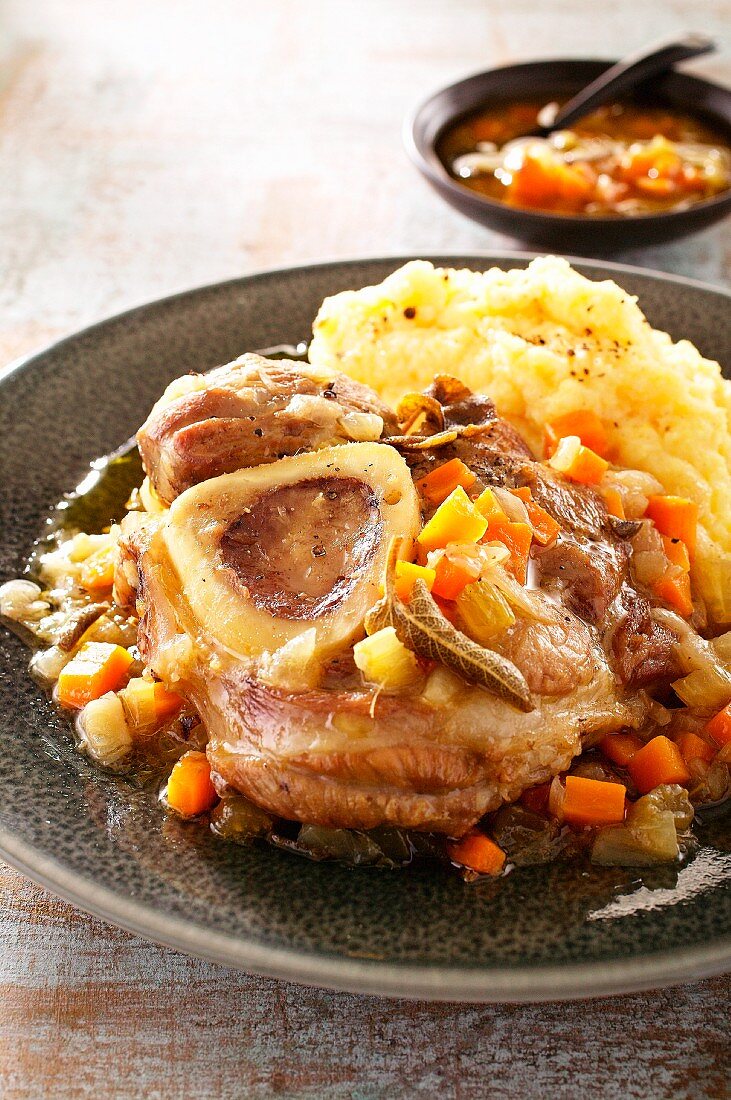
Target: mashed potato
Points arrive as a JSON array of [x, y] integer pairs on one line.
[[545, 341]]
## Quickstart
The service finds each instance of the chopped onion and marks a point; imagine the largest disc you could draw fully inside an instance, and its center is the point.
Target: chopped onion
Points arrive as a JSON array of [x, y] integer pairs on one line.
[[722, 647], [385, 661], [556, 798], [513, 506], [565, 454], [237, 819], [635, 488], [650, 833], [103, 731], [294, 665], [362, 427], [442, 687], [530, 603], [46, 664], [20, 601], [649, 566], [647, 540], [619, 846]]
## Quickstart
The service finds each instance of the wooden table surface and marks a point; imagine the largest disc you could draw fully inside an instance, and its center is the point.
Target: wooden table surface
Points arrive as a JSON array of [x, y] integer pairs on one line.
[[150, 145]]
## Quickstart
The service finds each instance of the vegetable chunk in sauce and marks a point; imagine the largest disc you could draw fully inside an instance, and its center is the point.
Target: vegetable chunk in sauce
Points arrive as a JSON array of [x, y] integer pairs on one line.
[[622, 160]]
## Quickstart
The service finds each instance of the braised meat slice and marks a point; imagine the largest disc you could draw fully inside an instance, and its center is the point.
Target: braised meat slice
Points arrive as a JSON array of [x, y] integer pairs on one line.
[[347, 754], [587, 574], [498, 454], [578, 508], [645, 651], [240, 570], [492, 448], [250, 412]]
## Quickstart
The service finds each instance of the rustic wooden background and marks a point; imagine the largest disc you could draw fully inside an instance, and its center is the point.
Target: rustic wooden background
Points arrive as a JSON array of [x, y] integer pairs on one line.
[[149, 145]]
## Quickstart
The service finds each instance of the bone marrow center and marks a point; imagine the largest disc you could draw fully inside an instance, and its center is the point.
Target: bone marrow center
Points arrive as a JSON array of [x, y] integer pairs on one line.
[[299, 550]]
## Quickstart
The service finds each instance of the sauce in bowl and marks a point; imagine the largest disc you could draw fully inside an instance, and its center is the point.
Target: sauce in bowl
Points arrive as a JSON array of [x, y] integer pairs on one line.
[[622, 160]]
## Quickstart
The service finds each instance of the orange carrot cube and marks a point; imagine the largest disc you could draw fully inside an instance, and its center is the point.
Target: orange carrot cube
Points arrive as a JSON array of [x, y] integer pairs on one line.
[[97, 668], [620, 747], [190, 791], [614, 503], [658, 762], [439, 483], [518, 538], [693, 747], [477, 852], [583, 423], [593, 802], [676, 517], [673, 588], [719, 726]]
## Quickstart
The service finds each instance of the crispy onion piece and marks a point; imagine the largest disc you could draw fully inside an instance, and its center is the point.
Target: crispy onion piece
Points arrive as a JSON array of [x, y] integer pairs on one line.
[[419, 410], [422, 442]]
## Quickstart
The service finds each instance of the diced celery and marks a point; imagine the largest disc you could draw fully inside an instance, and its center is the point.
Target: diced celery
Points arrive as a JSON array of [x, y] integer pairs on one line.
[[484, 612], [386, 661]]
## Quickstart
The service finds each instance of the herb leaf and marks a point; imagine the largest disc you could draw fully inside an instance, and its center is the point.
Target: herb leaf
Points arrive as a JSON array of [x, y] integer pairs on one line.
[[421, 626]]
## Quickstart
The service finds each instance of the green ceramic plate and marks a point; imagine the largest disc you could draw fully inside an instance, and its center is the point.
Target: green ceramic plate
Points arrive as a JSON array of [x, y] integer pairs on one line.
[[540, 933]]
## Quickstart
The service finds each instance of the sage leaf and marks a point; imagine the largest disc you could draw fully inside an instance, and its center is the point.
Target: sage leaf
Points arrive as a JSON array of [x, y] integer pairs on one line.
[[421, 626]]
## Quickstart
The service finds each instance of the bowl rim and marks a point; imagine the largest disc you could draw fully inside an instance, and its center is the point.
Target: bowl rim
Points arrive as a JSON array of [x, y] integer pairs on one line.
[[518, 984], [423, 155]]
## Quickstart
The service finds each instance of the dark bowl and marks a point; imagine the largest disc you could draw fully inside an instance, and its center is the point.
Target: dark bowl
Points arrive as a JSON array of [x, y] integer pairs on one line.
[[553, 80]]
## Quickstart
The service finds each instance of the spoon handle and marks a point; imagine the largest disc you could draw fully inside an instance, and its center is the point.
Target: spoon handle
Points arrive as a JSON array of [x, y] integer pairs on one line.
[[629, 73]]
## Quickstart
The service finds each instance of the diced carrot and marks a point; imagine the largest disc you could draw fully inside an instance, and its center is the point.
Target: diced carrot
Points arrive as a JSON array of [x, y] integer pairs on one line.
[[658, 762], [693, 747], [452, 576], [719, 726], [438, 484], [673, 588], [518, 538], [614, 502], [407, 573], [97, 668], [543, 181], [97, 572], [593, 802], [676, 517], [148, 702], [477, 852], [536, 798], [487, 504], [578, 462], [620, 747], [654, 157], [545, 528], [676, 552], [189, 789], [659, 187], [585, 424], [455, 520], [166, 702]]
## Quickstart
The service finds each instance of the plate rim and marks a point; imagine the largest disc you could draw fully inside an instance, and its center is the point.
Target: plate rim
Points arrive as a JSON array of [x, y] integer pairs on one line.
[[486, 985], [21, 362], [519, 984]]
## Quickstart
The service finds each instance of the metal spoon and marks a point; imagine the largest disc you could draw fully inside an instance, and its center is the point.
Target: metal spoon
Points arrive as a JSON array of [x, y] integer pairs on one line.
[[620, 78]]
